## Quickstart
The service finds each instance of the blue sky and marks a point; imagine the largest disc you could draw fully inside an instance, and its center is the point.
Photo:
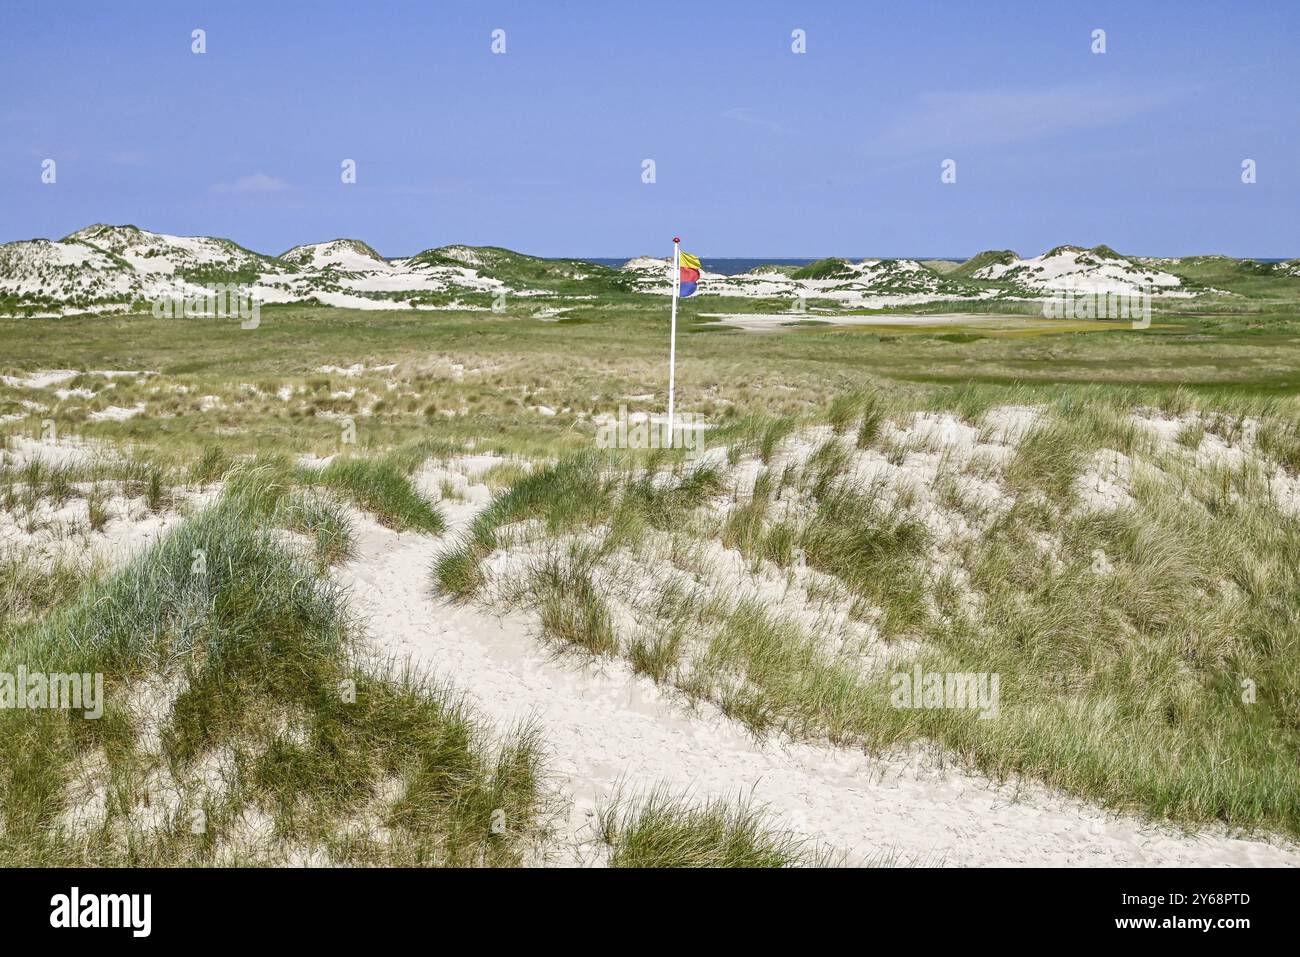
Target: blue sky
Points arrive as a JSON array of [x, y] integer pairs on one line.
[[759, 151]]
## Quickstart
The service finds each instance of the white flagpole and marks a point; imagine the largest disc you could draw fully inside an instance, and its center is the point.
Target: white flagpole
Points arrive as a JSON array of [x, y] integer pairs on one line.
[[672, 339]]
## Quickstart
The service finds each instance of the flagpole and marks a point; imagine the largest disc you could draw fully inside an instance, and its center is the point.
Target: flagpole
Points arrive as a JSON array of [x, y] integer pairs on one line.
[[672, 339]]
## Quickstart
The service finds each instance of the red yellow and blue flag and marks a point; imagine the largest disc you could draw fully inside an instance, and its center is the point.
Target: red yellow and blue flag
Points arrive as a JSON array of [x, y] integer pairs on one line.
[[688, 274]]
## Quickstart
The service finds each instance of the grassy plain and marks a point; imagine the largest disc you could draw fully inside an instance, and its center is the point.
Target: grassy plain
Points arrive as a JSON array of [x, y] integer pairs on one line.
[[1122, 688]]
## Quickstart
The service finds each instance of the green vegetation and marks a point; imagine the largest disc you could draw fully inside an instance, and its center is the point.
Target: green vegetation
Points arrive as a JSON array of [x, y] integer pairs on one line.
[[1121, 681], [991, 257], [246, 664], [825, 269], [782, 579], [517, 270], [660, 831], [378, 487]]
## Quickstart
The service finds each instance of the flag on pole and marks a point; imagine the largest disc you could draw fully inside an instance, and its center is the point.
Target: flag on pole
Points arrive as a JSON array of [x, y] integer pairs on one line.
[[688, 274]]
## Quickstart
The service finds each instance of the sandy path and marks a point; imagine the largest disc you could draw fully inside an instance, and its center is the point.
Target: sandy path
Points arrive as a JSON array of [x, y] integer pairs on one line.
[[607, 727]]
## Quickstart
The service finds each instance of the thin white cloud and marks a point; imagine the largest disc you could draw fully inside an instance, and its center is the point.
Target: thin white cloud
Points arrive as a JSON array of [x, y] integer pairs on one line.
[[133, 158], [742, 114], [255, 183], [955, 119]]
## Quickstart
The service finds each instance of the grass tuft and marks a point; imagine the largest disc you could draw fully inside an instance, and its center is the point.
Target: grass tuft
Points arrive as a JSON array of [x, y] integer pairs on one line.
[[383, 489], [660, 831]]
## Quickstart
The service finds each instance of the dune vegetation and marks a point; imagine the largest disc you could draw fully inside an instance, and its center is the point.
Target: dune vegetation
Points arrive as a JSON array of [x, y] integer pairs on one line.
[[1108, 520]]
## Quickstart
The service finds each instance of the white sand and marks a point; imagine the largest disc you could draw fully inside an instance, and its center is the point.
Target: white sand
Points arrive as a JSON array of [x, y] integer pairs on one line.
[[611, 731], [118, 413], [44, 378], [68, 451], [39, 380], [1079, 270]]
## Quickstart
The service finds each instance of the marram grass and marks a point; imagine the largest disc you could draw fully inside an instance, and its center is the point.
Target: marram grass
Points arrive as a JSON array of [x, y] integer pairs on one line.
[[268, 710]]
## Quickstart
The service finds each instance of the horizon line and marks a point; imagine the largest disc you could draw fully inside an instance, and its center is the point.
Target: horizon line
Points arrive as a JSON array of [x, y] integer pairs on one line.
[[956, 259]]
